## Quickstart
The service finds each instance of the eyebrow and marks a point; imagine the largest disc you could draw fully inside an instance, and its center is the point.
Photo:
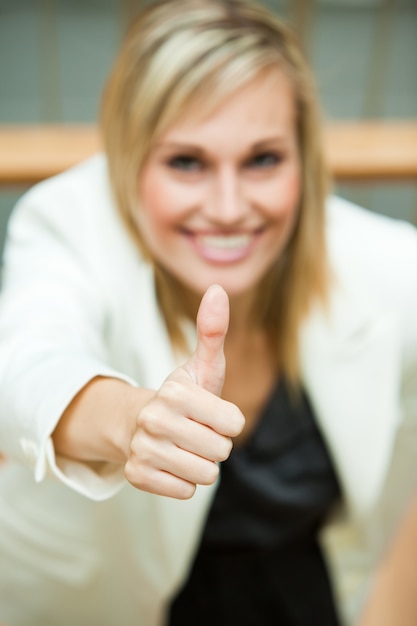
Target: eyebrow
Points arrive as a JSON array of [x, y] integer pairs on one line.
[[278, 139], [178, 145], [174, 145]]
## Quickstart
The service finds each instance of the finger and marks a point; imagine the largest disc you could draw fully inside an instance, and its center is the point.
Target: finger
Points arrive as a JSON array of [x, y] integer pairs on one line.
[[189, 434], [207, 366], [149, 458], [203, 441], [160, 483], [189, 467], [183, 398]]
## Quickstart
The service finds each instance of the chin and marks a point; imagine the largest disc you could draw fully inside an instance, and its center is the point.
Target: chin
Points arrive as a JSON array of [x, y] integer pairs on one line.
[[234, 285]]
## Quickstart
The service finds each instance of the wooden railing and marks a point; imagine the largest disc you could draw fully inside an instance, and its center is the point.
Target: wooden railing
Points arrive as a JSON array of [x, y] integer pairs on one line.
[[356, 151]]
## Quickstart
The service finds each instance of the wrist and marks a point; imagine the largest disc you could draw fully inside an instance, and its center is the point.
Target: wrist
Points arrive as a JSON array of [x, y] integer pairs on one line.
[[99, 423]]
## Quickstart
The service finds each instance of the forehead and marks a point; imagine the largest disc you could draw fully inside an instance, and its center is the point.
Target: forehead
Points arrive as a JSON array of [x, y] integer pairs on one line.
[[264, 105]]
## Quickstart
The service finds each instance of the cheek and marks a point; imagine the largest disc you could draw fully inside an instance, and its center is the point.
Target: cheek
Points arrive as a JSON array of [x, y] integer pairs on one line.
[[154, 223], [282, 198], [154, 201], [163, 201], [150, 215]]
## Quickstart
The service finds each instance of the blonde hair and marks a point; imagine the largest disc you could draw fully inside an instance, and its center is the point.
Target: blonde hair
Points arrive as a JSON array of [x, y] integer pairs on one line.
[[175, 52]]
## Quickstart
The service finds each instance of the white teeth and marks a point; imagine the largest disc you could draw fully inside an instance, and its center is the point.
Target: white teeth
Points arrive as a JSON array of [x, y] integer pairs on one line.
[[225, 241]]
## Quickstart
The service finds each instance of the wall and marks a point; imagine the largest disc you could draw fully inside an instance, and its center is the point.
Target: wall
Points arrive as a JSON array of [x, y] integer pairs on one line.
[[55, 54]]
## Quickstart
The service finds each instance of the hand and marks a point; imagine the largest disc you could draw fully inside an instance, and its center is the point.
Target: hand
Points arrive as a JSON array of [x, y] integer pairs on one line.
[[186, 428]]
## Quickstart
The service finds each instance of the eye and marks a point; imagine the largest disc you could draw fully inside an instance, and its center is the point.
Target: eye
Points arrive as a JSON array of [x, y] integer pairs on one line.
[[265, 160], [185, 163]]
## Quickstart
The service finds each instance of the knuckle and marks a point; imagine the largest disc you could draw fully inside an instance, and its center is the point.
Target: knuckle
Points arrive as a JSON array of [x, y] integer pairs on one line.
[[150, 420], [172, 390], [143, 458], [135, 475]]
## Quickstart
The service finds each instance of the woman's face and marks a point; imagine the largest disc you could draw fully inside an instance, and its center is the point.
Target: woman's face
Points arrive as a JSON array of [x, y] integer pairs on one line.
[[219, 194]]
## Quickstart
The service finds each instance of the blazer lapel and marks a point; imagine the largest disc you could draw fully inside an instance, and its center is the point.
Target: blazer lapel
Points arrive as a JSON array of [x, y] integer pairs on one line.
[[350, 366]]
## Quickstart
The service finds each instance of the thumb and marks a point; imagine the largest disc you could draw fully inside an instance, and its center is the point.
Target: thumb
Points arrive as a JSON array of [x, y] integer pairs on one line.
[[207, 366]]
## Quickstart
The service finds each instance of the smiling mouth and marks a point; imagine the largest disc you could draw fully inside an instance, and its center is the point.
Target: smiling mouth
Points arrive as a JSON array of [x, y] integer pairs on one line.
[[225, 242], [223, 248]]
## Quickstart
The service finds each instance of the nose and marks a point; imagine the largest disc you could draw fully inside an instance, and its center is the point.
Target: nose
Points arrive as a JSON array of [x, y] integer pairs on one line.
[[226, 203]]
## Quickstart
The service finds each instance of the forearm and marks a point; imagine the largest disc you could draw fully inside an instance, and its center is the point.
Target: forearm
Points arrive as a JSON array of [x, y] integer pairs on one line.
[[99, 423], [394, 598]]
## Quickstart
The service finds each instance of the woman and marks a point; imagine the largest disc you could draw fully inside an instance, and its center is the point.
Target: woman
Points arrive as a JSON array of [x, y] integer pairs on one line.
[[208, 205]]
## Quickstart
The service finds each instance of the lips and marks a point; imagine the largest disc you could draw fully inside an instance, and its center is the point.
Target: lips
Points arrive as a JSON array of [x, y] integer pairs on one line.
[[223, 248]]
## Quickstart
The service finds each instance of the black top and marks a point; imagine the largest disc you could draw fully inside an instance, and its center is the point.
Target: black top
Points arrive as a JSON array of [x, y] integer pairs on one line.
[[259, 561]]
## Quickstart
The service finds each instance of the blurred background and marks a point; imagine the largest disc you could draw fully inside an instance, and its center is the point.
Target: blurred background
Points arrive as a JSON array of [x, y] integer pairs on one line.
[[55, 55]]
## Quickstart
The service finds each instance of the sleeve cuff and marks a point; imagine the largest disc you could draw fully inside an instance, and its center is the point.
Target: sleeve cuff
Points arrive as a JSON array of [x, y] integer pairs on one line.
[[96, 482]]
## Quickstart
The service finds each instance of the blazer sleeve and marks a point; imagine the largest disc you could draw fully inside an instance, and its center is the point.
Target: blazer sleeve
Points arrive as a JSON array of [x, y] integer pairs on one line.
[[52, 335]]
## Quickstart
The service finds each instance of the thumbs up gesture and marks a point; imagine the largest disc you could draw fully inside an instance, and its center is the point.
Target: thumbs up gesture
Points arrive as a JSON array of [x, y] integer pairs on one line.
[[185, 429]]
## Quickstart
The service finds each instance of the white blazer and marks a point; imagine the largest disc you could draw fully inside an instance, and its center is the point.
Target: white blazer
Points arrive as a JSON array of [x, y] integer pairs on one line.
[[78, 301]]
